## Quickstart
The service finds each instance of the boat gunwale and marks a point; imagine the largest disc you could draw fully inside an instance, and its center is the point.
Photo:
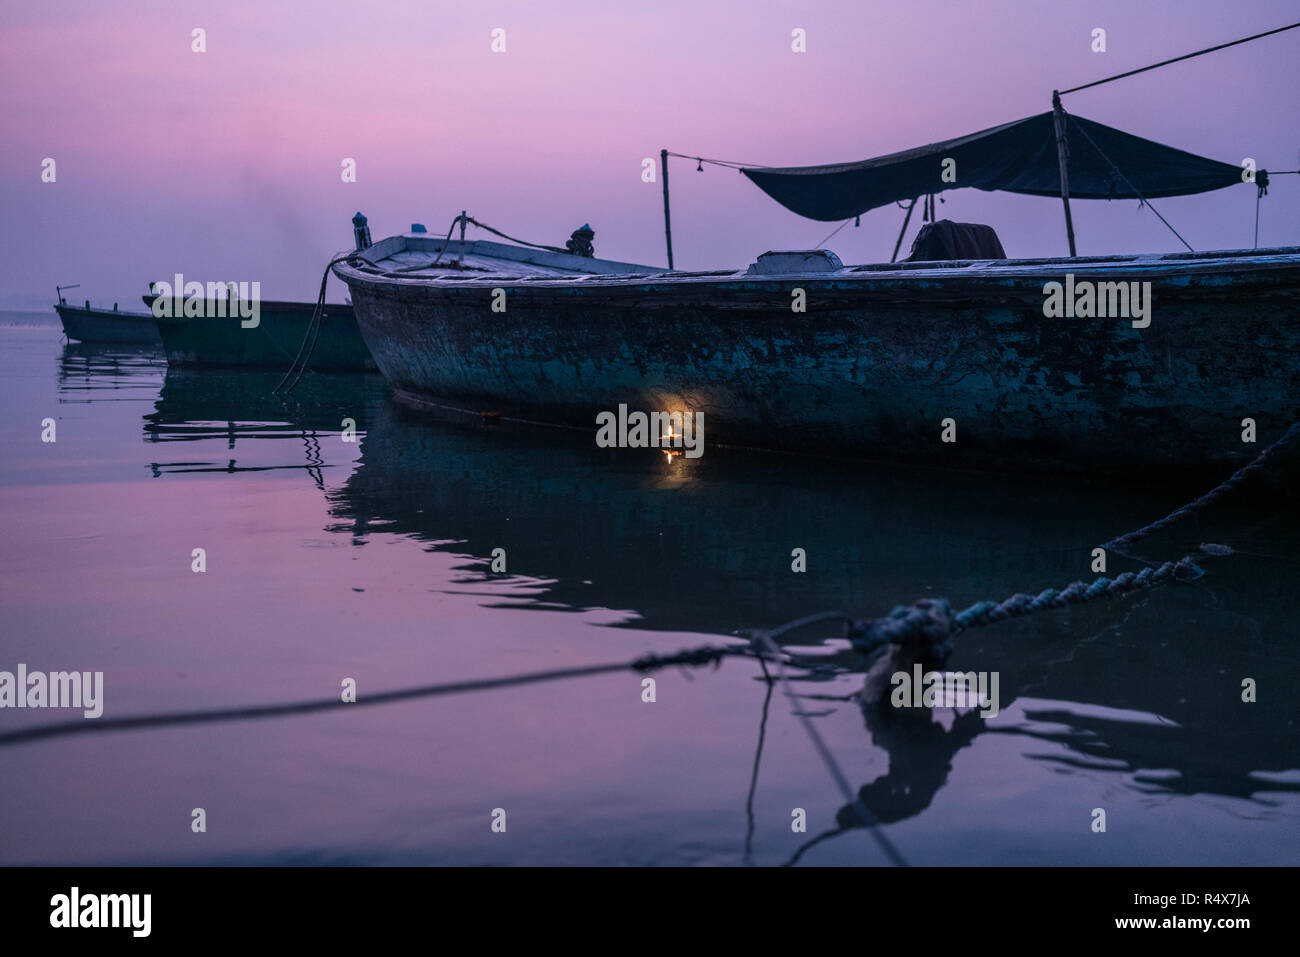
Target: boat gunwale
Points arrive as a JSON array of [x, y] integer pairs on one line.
[[1133, 266], [95, 310], [286, 305]]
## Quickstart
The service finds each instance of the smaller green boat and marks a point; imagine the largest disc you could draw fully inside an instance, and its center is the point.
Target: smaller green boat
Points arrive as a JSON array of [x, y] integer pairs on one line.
[[218, 340]]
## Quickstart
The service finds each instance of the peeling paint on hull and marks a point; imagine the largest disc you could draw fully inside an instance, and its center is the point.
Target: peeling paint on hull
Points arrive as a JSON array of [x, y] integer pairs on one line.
[[877, 361]]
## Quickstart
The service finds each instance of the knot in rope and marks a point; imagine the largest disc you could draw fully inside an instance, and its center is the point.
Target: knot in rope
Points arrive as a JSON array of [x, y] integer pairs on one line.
[[925, 626]]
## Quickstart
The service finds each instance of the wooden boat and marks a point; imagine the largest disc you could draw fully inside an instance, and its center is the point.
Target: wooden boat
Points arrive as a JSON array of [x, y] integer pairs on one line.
[[882, 356], [86, 324], [981, 361], [216, 339]]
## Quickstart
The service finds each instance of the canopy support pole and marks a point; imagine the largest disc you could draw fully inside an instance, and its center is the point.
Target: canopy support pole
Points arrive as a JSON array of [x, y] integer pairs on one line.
[[902, 232], [1058, 116], [668, 223]]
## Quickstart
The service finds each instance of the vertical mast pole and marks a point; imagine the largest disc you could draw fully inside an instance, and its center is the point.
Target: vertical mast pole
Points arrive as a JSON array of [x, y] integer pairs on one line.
[[668, 223], [1058, 116]]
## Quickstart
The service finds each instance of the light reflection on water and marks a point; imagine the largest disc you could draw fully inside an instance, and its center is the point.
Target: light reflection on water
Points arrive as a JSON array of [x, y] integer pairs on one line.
[[372, 560]]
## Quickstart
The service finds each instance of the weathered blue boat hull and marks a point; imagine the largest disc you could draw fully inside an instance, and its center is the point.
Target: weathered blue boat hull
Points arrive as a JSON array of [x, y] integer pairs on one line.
[[879, 359]]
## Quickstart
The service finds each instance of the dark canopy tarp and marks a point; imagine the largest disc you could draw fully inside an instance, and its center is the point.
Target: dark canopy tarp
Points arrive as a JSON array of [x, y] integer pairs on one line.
[[1019, 157]]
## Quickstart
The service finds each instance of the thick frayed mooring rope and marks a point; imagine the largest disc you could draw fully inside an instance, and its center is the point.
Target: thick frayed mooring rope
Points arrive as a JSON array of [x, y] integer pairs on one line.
[[934, 620], [1259, 463]]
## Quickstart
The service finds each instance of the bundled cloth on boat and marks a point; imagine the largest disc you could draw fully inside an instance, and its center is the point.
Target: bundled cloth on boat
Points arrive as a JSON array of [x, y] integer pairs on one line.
[[1019, 157], [946, 240]]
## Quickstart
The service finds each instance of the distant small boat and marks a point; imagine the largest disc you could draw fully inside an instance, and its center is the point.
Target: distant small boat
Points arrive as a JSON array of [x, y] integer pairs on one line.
[[107, 325], [219, 340]]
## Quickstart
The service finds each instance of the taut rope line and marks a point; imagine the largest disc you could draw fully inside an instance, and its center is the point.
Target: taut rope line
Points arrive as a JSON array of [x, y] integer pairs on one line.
[[694, 657]]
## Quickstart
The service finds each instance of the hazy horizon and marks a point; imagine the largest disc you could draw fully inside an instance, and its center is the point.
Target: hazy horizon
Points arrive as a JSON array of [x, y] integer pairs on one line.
[[226, 164]]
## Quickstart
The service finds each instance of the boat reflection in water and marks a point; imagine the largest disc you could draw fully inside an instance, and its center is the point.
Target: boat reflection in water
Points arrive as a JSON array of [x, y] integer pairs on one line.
[[1139, 697], [1142, 691], [89, 370], [706, 546], [236, 407]]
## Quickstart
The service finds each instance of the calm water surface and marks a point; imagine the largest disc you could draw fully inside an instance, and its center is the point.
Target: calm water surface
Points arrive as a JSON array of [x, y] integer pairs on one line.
[[371, 560]]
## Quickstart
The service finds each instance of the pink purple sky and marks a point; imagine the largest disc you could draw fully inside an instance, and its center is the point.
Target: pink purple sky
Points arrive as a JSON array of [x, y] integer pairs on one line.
[[226, 164]]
